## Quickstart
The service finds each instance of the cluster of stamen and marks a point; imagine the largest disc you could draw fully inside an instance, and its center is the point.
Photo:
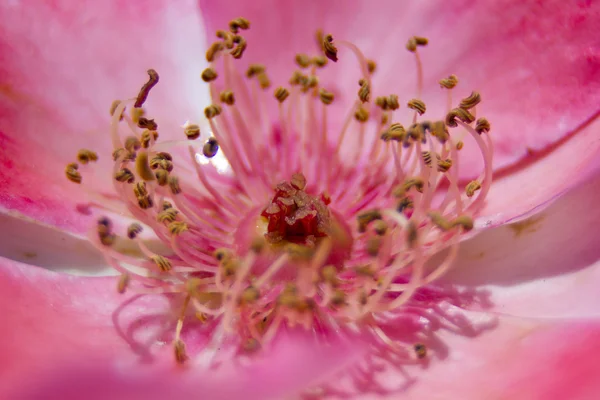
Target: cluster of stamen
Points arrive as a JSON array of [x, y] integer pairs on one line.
[[342, 241]]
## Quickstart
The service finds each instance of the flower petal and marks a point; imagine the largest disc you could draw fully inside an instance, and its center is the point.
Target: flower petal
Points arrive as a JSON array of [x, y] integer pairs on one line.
[[55, 324], [545, 266], [537, 65], [63, 66]]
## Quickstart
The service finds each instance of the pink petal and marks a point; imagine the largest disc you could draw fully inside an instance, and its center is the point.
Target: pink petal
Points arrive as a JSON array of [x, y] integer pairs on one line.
[[54, 325], [545, 266], [63, 66], [537, 65]]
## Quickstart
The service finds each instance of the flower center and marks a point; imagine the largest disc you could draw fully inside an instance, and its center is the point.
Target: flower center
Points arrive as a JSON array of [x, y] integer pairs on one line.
[[260, 247]]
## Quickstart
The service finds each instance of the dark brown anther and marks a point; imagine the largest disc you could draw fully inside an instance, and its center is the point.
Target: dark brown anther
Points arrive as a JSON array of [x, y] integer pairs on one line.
[[364, 92], [212, 111], [482, 125], [124, 175], [72, 174], [222, 254], [325, 96], [472, 187], [133, 230], [213, 50], [145, 90], [460, 114], [174, 185], [303, 60], [209, 75], [210, 148], [192, 131], [329, 48], [471, 101], [238, 51], [142, 167], [132, 144], [84, 156], [371, 66], [227, 97], [366, 217], [147, 137], [281, 94], [239, 23], [146, 123], [255, 69], [449, 82], [162, 177], [444, 165], [417, 105], [361, 114], [421, 41], [104, 229], [420, 350]]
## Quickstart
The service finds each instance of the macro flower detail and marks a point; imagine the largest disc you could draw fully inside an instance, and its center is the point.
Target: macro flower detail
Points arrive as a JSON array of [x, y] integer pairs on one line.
[[302, 229]]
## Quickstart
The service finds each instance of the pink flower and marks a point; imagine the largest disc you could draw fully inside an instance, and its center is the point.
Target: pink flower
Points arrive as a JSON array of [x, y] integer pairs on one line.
[[346, 279]]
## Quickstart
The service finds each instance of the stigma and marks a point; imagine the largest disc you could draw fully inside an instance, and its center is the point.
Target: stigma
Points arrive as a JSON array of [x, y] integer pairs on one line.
[[313, 225]]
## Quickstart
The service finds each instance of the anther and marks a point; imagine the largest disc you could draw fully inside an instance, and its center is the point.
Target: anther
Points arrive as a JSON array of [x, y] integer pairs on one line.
[[420, 350], [238, 50], [329, 48], [444, 165], [132, 144], [227, 97], [179, 351], [380, 227], [463, 221], [263, 80], [371, 66], [162, 263], [222, 254], [338, 298], [414, 42], [281, 94], [255, 69], [145, 90], [146, 123], [325, 96], [137, 113], [482, 125], [133, 230], [167, 215], [192, 131], [162, 177], [471, 101], [406, 203], [449, 83], [426, 155], [239, 23], [364, 91], [417, 105], [213, 50], [366, 217], [113, 107], [227, 38], [162, 160], [361, 114], [382, 102], [459, 145], [123, 283], [124, 175], [303, 60], [392, 102], [310, 83], [460, 113], [249, 295], [472, 187], [166, 205], [178, 227], [210, 148], [143, 168], [439, 130], [209, 75], [319, 61], [72, 174], [394, 132], [147, 136], [212, 111], [174, 185], [104, 229], [400, 190], [438, 220], [84, 156]]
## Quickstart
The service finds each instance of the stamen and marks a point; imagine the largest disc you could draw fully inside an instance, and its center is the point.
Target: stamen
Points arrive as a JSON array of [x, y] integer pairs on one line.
[[460, 114], [482, 125], [303, 60], [72, 174], [145, 90], [239, 23], [417, 105], [133, 230], [212, 111], [227, 97], [450, 82], [162, 263], [209, 75], [124, 175], [329, 48], [471, 101], [192, 131], [84, 156], [420, 350], [281, 94], [472, 187], [210, 148]]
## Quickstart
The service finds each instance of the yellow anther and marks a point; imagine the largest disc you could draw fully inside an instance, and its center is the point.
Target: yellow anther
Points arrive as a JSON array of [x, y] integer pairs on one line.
[[179, 350], [303, 60], [133, 230], [263, 80], [147, 136], [123, 283], [459, 145], [382, 102], [136, 114], [113, 107], [420, 350], [240, 47], [72, 174], [401, 190], [392, 102], [319, 61], [227, 97], [298, 252], [417, 105], [426, 155], [329, 48], [472, 187], [438, 220], [192, 131], [84, 156], [132, 144], [366, 217], [210, 148], [415, 132], [384, 119], [361, 114], [325, 96], [178, 227], [380, 227], [166, 205], [471, 101], [364, 92], [162, 263], [249, 295], [281, 94], [482, 125], [139, 189], [143, 168], [450, 82], [255, 69], [124, 175], [213, 50], [411, 45], [394, 132], [229, 267], [439, 130], [371, 66], [202, 317], [212, 111], [239, 23], [444, 165], [167, 215], [405, 203], [162, 160], [209, 75], [461, 114], [365, 270], [310, 83], [464, 221], [298, 78], [174, 185], [162, 177]]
